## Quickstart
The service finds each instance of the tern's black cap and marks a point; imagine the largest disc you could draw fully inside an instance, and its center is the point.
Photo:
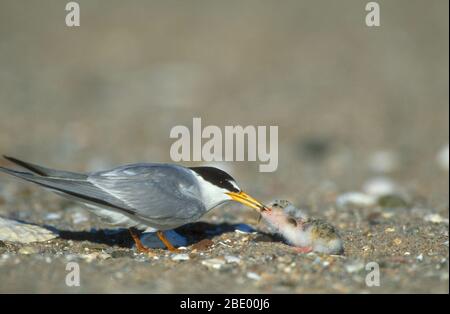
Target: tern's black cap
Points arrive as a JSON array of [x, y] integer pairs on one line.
[[217, 177]]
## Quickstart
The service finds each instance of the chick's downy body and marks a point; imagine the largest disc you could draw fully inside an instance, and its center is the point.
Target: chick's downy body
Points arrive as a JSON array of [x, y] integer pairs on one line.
[[306, 234]]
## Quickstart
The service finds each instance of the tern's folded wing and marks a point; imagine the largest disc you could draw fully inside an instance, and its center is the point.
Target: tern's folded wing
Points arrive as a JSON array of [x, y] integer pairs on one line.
[[153, 191]]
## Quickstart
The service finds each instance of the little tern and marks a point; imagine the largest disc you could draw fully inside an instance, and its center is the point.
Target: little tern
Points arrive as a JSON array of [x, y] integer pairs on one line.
[[144, 196]]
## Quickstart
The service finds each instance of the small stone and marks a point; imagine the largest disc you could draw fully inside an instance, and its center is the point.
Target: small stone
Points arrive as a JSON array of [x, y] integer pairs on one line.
[[232, 259], [214, 263], [435, 218], [244, 229], [253, 276], [389, 230], [355, 199], [397, 241], [380, 186], [420, 258], [354, 267], [180, 257]]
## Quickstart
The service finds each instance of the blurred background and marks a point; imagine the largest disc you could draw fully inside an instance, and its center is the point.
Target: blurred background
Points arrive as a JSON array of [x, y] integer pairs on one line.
[[108, 92], [351, 102]]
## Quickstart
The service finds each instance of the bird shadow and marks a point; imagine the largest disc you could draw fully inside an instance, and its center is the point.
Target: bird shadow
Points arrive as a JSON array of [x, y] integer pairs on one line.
[[193, 233]]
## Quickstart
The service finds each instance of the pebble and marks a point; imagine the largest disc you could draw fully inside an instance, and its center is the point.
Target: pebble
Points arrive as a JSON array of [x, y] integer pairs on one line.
[[15, 231], [214, 263], [180, 257], [253, 276], [232, 259], [244, 229], [419, 257], [397, 241], [355, 199], [380, 186], [354, 267], [435, 218]]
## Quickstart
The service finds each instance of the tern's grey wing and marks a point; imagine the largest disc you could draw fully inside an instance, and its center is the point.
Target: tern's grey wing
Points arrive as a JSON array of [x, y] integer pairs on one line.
[[160, 193], [46, 172], [79, 189]]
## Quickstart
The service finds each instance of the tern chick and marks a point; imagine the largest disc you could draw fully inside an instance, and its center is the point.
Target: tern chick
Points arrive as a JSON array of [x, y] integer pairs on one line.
[[306, 234], [145, 196]]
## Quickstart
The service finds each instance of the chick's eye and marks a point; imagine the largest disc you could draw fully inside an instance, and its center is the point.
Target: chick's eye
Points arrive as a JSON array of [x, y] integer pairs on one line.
[[292, 221]]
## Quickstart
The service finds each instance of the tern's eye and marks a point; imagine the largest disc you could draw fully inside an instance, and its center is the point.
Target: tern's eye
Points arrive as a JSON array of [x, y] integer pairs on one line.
[[292, 221]]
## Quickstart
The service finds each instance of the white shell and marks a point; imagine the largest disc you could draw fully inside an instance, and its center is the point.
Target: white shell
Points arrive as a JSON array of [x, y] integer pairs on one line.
[[15, 231]]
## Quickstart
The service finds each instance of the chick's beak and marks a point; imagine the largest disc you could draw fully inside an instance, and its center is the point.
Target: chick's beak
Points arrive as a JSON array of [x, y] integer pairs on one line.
[[247, 200]]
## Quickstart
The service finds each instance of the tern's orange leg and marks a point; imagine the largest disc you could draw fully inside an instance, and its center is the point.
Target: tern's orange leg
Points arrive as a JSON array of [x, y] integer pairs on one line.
[[139, 246], [166, 242]]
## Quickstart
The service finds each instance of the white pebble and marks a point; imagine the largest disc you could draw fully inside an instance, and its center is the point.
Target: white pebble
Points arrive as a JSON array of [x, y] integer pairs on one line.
[[380, 186], [435, 218], [244, 229], [180, 257], [253, 276], [232, 259], [214, 263], [354, 267], [355, 199]]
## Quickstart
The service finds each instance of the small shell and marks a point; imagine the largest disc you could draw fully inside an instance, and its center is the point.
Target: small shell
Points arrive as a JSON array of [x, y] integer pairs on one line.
[[15, 231]]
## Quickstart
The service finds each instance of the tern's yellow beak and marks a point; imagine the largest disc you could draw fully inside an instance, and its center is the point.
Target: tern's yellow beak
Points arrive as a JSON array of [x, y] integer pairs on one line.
[[246, 199]]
